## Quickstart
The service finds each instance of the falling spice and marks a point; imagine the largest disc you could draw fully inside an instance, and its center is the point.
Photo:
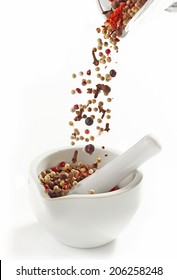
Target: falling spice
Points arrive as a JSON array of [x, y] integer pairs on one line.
[[95, 60], [118, 16], [74, 158]]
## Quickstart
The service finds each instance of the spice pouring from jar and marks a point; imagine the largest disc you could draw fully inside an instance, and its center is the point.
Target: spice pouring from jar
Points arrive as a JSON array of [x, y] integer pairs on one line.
[[119, 168], [123, 15]]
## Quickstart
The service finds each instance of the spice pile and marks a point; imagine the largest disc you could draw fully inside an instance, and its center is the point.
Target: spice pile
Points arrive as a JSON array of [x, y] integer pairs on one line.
[[95, 114], [59, 179]]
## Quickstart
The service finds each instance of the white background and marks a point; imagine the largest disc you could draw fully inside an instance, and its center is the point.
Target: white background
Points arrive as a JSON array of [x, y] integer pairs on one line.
[[42, 44]]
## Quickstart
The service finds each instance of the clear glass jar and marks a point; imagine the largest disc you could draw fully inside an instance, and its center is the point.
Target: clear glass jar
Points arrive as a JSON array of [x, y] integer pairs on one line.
[[145, 8]]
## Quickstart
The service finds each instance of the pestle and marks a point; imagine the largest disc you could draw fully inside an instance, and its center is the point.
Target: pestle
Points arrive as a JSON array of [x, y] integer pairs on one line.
[[119, 168]]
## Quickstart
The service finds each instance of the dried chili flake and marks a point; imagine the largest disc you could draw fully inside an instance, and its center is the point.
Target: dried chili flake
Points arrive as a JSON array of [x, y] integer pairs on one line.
[[116, 17]]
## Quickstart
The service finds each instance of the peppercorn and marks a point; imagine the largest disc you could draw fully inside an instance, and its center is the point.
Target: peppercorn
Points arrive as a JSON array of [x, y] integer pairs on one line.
[[112, 73], [78, 90], [89, 148], [92, 138], [87, 131], [84, 82], [89, 121], [88, 72], [71, 123]]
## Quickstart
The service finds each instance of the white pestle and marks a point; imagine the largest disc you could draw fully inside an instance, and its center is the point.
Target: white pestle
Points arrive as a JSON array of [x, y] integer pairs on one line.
[[119, 168]]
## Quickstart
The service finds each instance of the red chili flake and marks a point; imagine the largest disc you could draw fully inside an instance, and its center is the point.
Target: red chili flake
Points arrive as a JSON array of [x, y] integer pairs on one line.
[[55, 169], [87, 131], [78, 90], [62, 164], [46, 187], [107, 51], [116, 16]]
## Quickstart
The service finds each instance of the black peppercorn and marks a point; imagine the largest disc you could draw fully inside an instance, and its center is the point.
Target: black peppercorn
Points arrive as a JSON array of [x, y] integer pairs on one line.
[[89, 121]]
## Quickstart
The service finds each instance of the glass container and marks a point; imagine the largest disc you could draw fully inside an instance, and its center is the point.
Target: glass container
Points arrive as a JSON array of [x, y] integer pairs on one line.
[[145, 9]]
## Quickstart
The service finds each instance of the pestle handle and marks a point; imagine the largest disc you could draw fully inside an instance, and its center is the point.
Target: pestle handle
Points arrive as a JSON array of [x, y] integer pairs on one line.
[[116, 170]]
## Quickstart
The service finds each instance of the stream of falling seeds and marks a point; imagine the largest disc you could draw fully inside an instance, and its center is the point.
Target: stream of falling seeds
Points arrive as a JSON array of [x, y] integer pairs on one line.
[[95, 114]]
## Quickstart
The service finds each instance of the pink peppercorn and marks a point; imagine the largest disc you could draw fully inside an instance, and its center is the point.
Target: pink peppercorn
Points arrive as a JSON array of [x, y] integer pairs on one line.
[[46, 187], [116, 40], [78, 90], [87, 131], [107, 51], [76, 106], [55, 169], [62, 164], [87, 173], [65, 187]]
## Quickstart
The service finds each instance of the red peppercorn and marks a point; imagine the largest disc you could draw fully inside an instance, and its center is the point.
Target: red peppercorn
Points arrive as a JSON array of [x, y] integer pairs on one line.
[[65, 187], [46, 187], [62, 164], [76, 106], [87, 131], [116, 39], [107, 51], [55, 169], [78, 90]]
